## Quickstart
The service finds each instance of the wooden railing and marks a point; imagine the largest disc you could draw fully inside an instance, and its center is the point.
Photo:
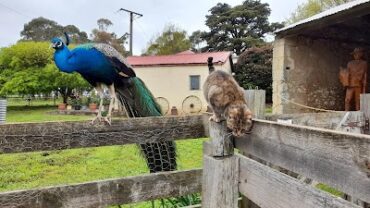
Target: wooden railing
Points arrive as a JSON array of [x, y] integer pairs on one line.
[[340, 160], [66, 135]]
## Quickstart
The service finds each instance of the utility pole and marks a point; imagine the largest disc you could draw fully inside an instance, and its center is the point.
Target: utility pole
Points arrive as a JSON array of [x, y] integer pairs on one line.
[[131, 25]]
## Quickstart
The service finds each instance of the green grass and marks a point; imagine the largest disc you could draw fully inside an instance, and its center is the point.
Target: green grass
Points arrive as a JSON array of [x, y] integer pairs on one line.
[[33, 102], [39, 169], [329, 189], [39, 114]]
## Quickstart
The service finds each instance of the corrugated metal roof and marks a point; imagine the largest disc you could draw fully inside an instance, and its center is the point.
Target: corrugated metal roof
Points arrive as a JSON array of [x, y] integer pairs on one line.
[[326, 13], [179, 59]]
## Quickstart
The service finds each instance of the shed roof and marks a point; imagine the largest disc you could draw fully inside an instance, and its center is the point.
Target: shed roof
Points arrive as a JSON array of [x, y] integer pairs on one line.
[[179, 59], [330, 16]]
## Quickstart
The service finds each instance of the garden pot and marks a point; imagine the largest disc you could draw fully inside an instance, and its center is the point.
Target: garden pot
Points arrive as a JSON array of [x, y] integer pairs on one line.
[[62, 106], [93, 106]]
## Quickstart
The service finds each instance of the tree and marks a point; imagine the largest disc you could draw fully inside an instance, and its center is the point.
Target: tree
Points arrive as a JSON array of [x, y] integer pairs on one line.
[[172, 40], [238, 28], [254, 69], [196, 40], [312, 7], [102, 35], [26, 68], [104, 24], [75, 34], [42, 29]]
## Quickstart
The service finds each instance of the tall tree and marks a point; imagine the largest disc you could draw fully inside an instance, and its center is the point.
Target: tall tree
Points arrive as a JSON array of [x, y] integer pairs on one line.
[[42, 29], [101, 35], [172, 40], [238, 28], [312, 7]]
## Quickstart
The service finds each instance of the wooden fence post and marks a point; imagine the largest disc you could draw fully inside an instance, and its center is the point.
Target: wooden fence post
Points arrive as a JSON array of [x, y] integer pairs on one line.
[[256, 101], [220, 169], [365, 108]]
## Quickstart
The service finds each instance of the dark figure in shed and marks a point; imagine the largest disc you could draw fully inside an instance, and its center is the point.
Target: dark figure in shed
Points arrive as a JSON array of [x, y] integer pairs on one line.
[[357, 79]]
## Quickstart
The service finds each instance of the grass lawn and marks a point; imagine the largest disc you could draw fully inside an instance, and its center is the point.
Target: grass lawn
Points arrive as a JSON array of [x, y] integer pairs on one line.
[[39, 114]]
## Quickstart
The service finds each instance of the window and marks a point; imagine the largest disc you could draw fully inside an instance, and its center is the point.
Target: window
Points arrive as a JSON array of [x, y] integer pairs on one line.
[[194, 82]]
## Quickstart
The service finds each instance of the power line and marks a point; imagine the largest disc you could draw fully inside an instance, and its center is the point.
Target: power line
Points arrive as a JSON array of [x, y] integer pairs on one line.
[[13, 10]]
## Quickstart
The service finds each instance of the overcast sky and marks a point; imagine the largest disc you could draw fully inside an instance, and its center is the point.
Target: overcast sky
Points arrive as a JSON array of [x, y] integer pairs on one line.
[[186, 14]]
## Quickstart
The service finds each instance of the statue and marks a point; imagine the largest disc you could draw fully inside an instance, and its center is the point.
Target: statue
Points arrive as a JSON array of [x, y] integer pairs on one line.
[[354, 78]]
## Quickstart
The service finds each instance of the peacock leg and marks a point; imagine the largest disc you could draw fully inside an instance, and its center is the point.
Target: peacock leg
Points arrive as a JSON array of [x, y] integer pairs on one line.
[[112, 94], [99, 89]]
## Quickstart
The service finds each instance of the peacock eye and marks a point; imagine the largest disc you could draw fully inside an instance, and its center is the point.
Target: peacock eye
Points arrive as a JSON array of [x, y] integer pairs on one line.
[[59, 44]]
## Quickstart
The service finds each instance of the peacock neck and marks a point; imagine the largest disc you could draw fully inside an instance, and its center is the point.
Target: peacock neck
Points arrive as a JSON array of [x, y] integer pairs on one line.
[[61, 60]]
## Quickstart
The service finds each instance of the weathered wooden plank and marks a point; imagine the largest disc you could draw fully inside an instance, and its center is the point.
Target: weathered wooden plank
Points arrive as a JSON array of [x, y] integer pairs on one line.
[[65, 135], [365, 108], [256, 101], [338, 159], [221, 140], [220, 182], [269, 188], [107, 192]]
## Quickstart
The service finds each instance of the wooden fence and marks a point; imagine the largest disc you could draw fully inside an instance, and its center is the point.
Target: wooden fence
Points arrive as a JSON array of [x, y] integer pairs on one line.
[[340, 160]]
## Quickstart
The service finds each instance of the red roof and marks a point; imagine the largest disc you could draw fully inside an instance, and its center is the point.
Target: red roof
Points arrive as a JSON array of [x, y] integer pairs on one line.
[[183, 58]]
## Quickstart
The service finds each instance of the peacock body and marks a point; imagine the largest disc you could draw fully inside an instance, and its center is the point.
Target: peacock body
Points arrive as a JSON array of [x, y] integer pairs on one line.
[[101, 65]]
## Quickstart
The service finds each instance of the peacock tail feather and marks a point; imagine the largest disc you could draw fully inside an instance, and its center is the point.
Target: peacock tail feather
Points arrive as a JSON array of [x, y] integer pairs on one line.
[[144, 99]]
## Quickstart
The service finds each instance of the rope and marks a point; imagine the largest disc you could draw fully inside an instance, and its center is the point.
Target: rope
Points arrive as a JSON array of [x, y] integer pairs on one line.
[[306, 106]]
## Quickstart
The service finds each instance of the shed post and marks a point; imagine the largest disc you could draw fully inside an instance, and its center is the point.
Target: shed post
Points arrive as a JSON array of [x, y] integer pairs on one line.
[[365, 108], [220, 169]]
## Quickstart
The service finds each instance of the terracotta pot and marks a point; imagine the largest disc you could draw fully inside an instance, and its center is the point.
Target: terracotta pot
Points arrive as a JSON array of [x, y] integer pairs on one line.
[[93, 106], [62, 106]]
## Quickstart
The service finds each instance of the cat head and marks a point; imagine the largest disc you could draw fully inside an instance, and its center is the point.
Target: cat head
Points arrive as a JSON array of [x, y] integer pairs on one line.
[[239, 119]]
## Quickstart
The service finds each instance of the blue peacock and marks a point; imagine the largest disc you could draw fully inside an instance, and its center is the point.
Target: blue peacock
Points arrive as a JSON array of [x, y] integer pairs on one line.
[[101, 65]]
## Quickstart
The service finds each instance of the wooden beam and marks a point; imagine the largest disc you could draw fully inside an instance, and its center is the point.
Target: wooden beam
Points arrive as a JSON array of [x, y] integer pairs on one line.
[[66, 135], [107, 192], [220, 182], [221, 169], [338, 159], [269, 188]]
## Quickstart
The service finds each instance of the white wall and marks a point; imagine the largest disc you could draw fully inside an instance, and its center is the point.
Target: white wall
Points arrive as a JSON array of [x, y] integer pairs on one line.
[[173, 82]]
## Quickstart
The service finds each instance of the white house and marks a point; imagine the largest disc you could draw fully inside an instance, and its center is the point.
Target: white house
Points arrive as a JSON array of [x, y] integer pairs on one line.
[[177, 80]]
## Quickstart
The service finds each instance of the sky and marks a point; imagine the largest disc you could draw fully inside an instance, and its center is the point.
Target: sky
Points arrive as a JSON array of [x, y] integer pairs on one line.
[[186, 14]]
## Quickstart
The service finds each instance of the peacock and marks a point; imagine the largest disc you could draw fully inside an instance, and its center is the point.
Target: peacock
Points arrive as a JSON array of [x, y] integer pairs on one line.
[[103, 66]]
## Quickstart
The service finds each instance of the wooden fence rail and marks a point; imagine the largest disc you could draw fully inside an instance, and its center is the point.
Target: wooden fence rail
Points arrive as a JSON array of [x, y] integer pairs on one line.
[[66, 135], [338, 159], [107, 192]]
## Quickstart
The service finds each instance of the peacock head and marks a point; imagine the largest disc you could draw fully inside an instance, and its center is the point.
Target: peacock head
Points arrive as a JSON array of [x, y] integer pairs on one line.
[[57, 43]]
